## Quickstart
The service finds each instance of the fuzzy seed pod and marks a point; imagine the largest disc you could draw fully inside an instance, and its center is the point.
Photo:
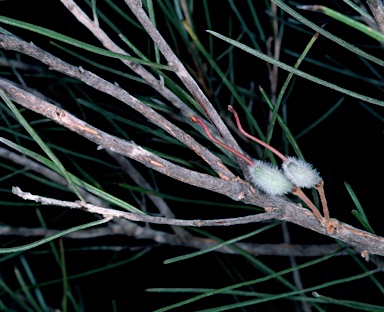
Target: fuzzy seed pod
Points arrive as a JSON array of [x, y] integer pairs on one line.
[[300, 173], [269, 178]]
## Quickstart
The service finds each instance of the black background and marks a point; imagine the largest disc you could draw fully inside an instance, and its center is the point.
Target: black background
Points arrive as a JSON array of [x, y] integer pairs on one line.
[[347, 146]]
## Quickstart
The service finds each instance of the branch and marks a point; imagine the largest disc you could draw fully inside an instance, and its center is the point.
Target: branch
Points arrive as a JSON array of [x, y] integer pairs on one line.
[[183, 74], [106, 212], [131, 150], [48, 173], [237, 189], [123, 227], [377, 9], [157, 85], [90, 198], [156, 200], [96, 30], [13, 43], [363, 241]]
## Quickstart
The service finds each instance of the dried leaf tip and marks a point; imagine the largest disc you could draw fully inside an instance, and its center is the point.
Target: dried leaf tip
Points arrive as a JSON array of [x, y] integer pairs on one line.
[[194, 119]]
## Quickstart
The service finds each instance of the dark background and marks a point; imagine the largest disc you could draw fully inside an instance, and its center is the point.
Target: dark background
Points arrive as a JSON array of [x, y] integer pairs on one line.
[[347, 146]]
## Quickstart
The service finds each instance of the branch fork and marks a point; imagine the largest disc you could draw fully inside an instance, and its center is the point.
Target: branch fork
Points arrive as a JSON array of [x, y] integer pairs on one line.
[[296, 173]]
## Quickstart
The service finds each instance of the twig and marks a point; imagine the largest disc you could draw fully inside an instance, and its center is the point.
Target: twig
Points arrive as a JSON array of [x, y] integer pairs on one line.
[[320, 189], [296, 273], [135, 175], [299, 193], [106, 212], [364, 242], [274, 70], [156, 84], [48, 173], [53, 176], [159, 202], [127, 228], [237, 189], [131, 150], [377, 9], [182, 73], [13, 43]]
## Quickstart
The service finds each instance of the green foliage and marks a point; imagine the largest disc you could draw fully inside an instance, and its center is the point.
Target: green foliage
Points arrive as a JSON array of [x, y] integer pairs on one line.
[[235, 52]]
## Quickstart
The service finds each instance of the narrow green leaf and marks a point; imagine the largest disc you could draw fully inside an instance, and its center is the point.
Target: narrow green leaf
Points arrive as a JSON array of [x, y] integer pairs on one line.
[[224, 78], [256, 263], [152, 17], [284, 126], [360, 215], [360, 10], [94, 11], [15, 296], [345, 71], [228, 242], [32, 279], [90, 188], [346, 20], [96, 64], [41, 143], [97, 270], [257, 21], [371, 111], [291, 293], [244, 25], [326, 34], [66, 290], [48, 239], [363, 221], [123, 14], [296, 71], [26, 291], [350, 304], [321, 119], [247, 283], [77, 43], [279, 99], [361, 264]]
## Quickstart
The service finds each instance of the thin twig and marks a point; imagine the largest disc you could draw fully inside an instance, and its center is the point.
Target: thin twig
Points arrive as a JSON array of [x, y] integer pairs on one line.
[[127, 228], [320, 188], [223, 145], [131, 150], [274, 70], [49, 174], [182, 73], [299, 193], [237, 189], [267, 146], [109, 44], [377, 9], [106, 212], [296, 273], [159, 202], [13, 43], [365, 242]]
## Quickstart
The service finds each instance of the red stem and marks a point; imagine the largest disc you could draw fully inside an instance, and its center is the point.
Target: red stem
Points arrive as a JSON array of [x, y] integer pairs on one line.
[[267, 146], [299, 193], [320, 189], [233, 151]]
